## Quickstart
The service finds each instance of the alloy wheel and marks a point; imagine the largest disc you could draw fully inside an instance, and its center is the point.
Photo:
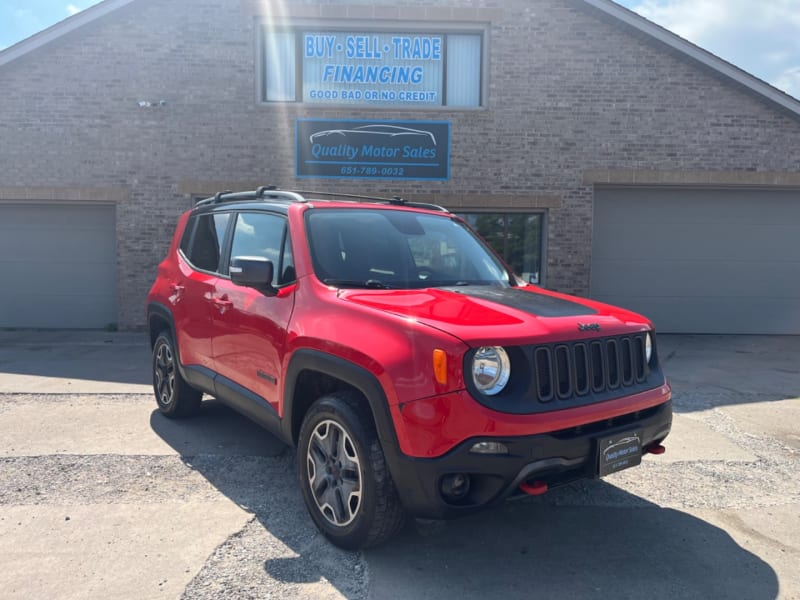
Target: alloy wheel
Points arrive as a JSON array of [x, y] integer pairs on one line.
[[334, 473], [164, 370]]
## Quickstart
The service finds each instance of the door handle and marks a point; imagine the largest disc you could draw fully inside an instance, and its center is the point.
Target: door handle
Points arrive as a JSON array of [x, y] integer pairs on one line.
[[222, 303], [176, 287]]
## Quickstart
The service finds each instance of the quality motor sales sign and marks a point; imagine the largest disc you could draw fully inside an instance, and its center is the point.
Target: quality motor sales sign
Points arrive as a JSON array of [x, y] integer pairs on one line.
[[372, 149]]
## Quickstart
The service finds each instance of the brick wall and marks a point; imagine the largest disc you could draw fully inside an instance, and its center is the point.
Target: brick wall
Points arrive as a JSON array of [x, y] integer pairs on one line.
[[569, 92]]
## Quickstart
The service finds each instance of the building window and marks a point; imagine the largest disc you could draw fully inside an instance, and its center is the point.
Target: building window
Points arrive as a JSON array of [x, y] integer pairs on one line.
[[373, 68], [517, 237], [280, 58]]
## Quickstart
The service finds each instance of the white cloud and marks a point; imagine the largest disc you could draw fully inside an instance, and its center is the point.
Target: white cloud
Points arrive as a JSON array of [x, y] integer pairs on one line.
[[72, 9], [789, 81], [761, 37], [691, 19]]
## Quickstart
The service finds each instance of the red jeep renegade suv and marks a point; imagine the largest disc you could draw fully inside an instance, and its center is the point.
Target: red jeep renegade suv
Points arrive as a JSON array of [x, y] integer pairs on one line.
[[413, 371]]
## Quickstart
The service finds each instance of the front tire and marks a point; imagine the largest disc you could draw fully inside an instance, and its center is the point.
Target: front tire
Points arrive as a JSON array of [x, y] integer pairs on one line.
[[175, 397], [343, 475]]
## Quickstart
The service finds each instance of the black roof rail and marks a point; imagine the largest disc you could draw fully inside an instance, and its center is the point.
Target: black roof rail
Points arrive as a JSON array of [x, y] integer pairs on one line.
[[396, 200], [264, 192], [270, 192]]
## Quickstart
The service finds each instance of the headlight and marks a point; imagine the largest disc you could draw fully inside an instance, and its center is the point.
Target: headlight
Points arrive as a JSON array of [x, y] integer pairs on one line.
[[490, 370], [648, 347]]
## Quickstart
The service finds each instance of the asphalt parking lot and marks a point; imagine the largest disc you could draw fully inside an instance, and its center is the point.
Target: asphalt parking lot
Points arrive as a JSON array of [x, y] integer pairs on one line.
[[101, 497]]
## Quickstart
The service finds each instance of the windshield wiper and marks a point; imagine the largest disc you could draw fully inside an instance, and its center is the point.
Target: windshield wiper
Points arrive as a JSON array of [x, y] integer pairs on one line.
[[449, 283], [374, 284]]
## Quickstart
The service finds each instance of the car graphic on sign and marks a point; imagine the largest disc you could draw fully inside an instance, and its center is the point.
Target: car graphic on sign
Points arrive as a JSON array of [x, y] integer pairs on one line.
[[390, 131]]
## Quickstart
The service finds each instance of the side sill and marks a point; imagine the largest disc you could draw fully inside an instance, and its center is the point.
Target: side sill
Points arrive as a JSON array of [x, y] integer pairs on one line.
[[247, 403], [198, 377]]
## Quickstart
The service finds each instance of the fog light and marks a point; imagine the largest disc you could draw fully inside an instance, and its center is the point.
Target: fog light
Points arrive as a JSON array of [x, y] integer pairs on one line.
[[455, 486], [489, 448]]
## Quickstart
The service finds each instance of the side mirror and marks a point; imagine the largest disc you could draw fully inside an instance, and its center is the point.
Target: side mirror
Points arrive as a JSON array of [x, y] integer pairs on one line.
[[253, 271]]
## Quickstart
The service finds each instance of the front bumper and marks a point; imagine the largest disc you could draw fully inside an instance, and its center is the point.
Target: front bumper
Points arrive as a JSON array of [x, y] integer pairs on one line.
[[554, 458]]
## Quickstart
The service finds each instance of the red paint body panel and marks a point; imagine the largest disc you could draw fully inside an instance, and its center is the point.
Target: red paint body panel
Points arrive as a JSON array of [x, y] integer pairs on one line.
[[480, 322], [433, 426], [191, 309], [397, 350], [249, 338], [186, 293]]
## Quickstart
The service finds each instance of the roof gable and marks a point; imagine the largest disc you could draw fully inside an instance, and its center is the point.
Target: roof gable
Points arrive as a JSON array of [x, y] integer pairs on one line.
[[696, 54], [606, 7], [54, 32]]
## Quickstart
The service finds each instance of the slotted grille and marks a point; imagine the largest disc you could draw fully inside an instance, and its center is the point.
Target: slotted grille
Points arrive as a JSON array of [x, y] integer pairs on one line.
[[577, 369]]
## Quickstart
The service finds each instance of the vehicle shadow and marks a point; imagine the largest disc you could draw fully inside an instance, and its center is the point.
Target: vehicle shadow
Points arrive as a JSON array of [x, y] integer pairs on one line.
[[93, 361], [584, 541], [564, 546]]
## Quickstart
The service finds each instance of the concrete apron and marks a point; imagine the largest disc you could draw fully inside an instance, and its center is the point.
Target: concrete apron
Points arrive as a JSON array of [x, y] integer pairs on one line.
[[716, 516], [99, 550], [74, 362], [141, 549]]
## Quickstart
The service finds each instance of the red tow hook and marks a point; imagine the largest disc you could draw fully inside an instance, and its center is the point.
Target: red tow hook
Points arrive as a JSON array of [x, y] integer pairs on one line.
[[655, 449], [536, 488]]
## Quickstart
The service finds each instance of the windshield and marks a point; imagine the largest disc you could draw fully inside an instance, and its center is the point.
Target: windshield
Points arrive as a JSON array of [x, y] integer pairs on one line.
[[398, 250]]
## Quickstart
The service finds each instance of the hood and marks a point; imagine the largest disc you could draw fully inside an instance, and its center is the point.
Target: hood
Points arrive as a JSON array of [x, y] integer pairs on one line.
[[482, 315]]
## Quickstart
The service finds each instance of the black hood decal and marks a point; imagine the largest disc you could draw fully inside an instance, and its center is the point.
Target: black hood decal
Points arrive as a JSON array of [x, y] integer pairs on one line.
[[532, 303]]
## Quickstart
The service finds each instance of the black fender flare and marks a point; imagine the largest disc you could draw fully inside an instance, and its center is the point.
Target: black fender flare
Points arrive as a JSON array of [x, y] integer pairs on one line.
[[198, 377], [156, 309], [352, 374]]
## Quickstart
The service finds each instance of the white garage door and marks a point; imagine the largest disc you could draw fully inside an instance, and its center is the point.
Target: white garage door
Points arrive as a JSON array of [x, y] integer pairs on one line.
[[58, 266], [700, 261]]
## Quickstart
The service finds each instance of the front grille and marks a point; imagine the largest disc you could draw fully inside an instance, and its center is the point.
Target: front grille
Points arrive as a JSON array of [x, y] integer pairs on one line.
[[572, 370], [561, 375]]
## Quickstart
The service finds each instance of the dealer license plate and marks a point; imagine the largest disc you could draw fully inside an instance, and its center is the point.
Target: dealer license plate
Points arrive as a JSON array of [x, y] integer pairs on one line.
[[619, 452]]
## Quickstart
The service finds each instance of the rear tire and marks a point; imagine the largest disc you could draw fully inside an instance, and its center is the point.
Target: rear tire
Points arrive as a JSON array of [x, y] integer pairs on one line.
[[175, 397], [343, 475]]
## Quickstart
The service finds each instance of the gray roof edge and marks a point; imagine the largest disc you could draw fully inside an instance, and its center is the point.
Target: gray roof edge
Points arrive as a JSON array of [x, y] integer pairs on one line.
[[54, 32], [696, 53]]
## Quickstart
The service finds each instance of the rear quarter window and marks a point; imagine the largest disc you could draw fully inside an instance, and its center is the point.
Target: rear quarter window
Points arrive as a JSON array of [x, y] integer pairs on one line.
[[187, 235], [205, 248]]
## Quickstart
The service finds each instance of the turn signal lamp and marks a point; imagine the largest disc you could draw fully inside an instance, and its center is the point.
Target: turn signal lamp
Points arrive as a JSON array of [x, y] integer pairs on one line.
[[440, 366]]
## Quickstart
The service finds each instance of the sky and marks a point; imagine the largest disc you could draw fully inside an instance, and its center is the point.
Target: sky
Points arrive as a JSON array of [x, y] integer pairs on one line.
[[759, 36]]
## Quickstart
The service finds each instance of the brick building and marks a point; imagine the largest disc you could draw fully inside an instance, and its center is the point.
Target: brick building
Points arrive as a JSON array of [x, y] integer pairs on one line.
[[600, 153]]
